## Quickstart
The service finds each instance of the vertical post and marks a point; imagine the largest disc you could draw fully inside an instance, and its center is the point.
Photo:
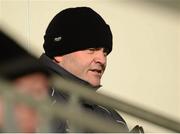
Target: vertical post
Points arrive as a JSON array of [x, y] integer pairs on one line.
[[10, 124], [74, 106]]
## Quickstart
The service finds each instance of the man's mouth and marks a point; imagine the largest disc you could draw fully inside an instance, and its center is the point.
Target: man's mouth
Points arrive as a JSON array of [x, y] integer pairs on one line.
[[97, 71]]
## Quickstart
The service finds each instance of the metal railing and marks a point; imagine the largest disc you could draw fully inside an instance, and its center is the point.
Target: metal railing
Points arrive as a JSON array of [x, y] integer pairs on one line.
[[73, 112]]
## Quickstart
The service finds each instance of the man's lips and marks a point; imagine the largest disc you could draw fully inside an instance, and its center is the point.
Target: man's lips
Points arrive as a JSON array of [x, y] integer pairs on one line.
[[97, 71]]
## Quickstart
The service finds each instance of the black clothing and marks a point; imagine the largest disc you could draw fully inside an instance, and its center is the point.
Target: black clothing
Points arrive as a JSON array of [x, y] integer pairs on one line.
[[16, 61], [61, 126]]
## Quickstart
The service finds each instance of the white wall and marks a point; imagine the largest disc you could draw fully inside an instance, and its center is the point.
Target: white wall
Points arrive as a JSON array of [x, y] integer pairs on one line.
[[144, 67]]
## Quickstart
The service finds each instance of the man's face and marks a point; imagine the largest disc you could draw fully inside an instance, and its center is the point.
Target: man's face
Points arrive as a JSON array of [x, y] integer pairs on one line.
[[36, 86], [88, 65], [27, 118]]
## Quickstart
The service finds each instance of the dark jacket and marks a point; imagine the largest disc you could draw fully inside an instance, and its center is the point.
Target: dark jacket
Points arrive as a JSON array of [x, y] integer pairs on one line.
[[61, 126]]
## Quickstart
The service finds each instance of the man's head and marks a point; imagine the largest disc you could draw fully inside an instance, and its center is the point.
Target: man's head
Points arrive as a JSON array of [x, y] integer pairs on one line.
[[27, 76], [79, 40]]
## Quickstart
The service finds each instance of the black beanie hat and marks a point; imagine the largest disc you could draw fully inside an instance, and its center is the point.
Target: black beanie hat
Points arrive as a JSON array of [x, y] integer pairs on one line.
[[76, 29], [16, 61]]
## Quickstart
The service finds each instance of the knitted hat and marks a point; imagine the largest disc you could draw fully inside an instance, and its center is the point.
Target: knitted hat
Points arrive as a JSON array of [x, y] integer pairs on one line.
[[76, 29], [16, 61]]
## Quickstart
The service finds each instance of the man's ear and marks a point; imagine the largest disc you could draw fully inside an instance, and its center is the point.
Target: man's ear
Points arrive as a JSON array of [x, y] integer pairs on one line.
[[58, 59]]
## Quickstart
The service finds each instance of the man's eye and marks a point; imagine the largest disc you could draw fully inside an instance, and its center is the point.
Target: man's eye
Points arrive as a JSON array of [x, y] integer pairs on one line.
[[91, 50]]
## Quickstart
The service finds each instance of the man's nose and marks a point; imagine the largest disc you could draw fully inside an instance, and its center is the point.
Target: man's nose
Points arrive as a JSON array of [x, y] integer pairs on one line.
[[100, 57]]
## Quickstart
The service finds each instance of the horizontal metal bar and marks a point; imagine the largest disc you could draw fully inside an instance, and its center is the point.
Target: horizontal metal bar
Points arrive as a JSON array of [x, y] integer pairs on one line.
[[90, 94], [89, 120]]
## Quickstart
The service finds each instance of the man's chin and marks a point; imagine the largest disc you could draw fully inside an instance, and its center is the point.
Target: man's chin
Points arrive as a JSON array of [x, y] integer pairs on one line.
[[95, 83], [93, 80]]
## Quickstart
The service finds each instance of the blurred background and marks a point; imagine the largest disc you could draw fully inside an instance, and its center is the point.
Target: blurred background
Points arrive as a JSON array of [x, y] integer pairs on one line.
[[144, 66]]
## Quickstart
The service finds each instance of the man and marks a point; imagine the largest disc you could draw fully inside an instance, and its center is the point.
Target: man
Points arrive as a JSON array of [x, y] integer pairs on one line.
[[28, 77], [77, 43]]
